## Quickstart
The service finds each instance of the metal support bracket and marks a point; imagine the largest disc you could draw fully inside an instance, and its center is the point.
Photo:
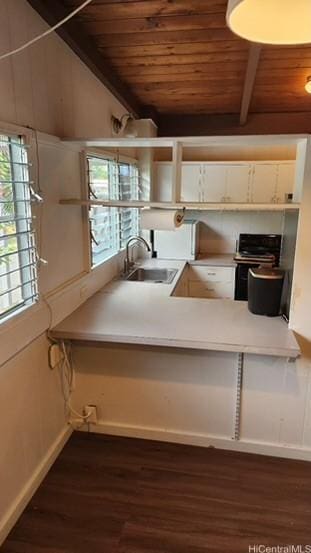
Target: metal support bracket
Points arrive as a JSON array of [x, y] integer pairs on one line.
[[238, 404]]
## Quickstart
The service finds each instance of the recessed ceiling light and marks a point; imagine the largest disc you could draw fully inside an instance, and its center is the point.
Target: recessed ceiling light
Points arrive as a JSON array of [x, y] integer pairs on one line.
[[308, 85], [271, 21]]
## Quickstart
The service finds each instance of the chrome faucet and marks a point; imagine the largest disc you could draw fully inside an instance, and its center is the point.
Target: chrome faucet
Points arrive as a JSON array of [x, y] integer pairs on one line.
[[127, 263]]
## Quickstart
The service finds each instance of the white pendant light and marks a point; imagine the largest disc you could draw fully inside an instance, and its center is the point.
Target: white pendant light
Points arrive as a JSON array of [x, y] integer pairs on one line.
[[271, 21]]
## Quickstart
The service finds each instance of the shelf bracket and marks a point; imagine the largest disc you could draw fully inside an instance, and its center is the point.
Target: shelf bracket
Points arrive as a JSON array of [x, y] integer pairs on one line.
[[238, 403]]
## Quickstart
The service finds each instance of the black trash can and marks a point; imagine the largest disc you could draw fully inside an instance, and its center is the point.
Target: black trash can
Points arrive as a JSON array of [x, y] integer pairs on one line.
[[265, 291]]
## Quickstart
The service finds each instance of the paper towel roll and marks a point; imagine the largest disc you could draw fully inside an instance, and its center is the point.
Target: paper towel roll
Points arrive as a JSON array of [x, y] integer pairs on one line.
[[161, 219]]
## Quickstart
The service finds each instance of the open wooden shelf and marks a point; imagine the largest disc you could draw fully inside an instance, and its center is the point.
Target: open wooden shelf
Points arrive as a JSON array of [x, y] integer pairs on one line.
[[181, 205]]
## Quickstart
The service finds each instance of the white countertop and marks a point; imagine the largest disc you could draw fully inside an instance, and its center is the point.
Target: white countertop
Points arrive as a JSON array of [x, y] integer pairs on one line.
[[146, 314]]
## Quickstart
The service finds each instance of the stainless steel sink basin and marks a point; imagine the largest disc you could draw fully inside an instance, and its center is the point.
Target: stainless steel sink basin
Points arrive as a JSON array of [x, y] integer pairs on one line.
[[164, 276]]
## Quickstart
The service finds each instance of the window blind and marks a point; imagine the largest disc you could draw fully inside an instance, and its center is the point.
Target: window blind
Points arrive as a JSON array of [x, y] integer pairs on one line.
[[18, 258], [111, 227]]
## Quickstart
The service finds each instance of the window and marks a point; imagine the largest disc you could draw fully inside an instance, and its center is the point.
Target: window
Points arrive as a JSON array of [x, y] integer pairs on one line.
[[18, 276], [111, 226]]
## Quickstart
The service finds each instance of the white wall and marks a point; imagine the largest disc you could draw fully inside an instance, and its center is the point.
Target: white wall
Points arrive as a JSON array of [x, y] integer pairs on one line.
[[48, 88], [301, 298], [231, 153], [219, 231], [32, 427], [190, 397]]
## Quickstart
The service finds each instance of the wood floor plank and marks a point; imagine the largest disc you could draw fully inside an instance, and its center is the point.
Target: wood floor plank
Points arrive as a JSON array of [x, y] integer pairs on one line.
[[123, 495]]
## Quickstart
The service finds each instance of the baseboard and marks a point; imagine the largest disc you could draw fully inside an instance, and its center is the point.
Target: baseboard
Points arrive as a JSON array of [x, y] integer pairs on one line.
[[203, 440], [12, 515]]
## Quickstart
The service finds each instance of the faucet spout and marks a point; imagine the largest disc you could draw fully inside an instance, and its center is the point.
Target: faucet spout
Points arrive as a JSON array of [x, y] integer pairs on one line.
[[127, 263]]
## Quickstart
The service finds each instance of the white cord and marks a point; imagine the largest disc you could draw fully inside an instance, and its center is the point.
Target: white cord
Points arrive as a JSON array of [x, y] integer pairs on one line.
[[68, 383], [48, 32]]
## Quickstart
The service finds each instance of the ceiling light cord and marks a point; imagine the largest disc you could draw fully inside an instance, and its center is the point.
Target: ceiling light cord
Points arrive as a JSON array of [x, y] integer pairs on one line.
[[46, 33]]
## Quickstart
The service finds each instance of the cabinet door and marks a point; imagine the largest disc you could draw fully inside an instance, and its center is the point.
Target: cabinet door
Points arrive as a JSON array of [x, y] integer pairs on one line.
[[264, 181], [162, 182], [285, 181], [214, 183], [238, 181], [191, 182]]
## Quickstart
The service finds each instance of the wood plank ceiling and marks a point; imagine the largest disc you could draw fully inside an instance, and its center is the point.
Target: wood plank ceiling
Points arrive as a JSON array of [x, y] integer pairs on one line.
[[178, 57]]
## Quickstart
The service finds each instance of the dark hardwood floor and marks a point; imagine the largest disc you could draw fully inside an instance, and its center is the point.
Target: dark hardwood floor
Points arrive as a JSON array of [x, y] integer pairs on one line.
[[117, 495]]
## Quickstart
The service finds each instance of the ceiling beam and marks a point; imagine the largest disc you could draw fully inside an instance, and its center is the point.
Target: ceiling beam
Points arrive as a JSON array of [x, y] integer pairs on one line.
[[72, 33], [250, 76]]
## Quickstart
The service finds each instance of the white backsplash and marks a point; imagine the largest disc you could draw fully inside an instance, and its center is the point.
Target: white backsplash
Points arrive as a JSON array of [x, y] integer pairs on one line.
[[219, 231]]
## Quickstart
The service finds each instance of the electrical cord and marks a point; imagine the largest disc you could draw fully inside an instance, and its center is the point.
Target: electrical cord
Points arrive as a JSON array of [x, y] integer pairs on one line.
[[46, 33], [38, 229], [68, 382]]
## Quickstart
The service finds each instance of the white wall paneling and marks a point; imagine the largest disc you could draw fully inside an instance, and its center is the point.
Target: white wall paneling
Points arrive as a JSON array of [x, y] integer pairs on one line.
[[219, 231], [33, 419], [190, 396], [47, 86], [179, 390]]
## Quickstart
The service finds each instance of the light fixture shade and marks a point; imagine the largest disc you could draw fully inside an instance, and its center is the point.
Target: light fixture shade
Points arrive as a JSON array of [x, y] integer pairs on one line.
[[130, 129], [271, 21], [125, 126], [308, 85]]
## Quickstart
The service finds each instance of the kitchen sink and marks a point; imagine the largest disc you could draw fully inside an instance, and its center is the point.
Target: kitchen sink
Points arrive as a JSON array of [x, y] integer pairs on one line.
[[164, 276]]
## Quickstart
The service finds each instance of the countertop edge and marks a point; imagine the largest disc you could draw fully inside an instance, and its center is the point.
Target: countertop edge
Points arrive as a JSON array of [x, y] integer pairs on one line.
[[174, 343]]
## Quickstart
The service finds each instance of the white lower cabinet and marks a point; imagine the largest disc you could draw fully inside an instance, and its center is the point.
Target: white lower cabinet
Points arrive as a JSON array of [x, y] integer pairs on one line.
[[202, 281], [210, 289]]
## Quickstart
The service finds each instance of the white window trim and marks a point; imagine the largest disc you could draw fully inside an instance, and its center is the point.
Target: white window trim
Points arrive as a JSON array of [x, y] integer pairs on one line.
[[10, 129], [106, 154], [103, 154]]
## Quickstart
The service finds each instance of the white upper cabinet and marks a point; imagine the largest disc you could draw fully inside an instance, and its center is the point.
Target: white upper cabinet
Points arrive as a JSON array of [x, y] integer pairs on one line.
[[162, 182], [244, 182], [191, 182], [238, 183], [264, 179], [214, 183], [272, 182], [285, 181], [225, 183]]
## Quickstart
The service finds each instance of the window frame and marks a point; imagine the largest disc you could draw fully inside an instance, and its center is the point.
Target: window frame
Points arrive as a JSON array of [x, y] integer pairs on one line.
[[106, 156], [29, 275]]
